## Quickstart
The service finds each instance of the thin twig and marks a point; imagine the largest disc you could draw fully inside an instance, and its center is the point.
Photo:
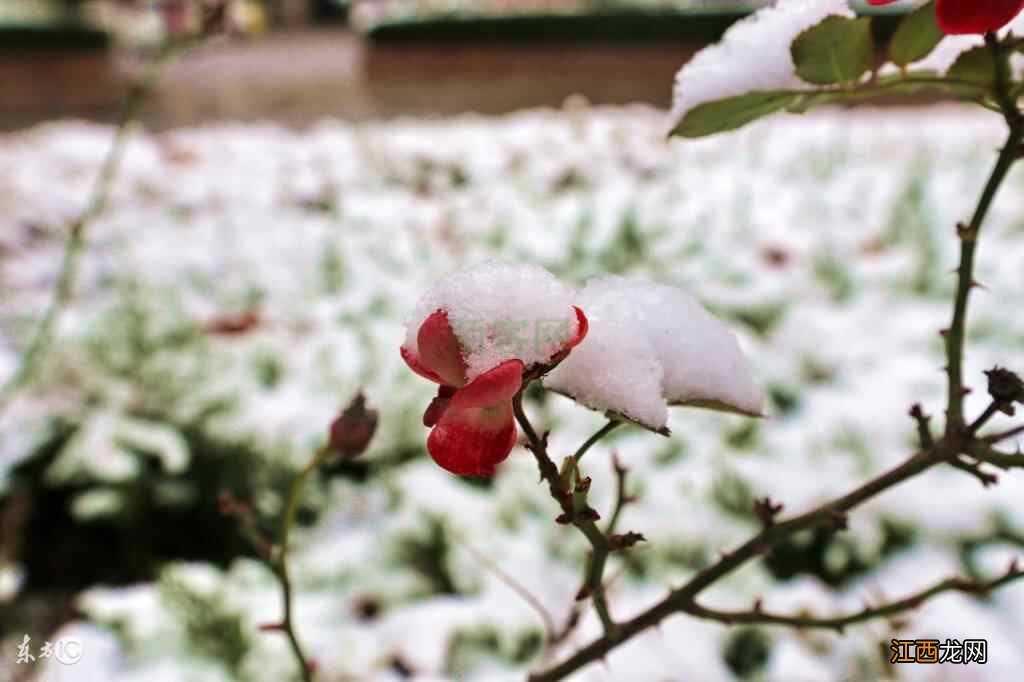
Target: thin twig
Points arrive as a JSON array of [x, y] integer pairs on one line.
[[1005, 435], [622, 497], [74, 244], [535, 603], [598, 435], [585, 524], [280, 563], [989, 455], [757, 616], [974, 469], [990, 411]]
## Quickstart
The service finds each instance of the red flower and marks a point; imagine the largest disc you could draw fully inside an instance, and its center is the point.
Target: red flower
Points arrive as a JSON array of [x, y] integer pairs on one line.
[[971, 16], [473, 426]]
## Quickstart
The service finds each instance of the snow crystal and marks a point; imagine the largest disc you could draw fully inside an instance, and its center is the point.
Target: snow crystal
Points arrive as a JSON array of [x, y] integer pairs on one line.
[[752, 56], [500, 311], [649, 346]]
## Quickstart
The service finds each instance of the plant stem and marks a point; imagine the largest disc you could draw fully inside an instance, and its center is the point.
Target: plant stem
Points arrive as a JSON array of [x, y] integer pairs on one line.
[[598, 541], [838, 623], [281, 563], [75, 241], [598, 435], [955, 336]]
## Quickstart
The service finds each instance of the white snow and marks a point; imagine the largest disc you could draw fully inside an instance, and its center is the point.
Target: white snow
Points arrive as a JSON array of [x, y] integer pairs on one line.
[[649, 346], [753, 55], [499, 312]]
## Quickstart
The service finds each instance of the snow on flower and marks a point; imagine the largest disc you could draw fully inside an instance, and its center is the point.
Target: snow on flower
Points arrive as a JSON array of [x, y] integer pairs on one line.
[[474, 334], [651, 346], [753, 55], [960, 17]]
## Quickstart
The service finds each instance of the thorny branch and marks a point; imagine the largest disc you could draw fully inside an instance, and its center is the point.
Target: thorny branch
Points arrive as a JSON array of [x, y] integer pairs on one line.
[[959, 445], [580, 516]]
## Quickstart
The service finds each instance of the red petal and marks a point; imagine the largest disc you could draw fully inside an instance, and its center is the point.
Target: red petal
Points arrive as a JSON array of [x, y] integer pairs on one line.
[[438, 405], [417, 367], [477, 430], [582, 327], [473, 441], [492, 387], [975, 16], [881, 2], [439, 349]]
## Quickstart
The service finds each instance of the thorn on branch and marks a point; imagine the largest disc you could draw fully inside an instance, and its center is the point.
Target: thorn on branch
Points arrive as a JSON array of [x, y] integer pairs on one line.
[[966, 232], [924, 430], [767, 511]]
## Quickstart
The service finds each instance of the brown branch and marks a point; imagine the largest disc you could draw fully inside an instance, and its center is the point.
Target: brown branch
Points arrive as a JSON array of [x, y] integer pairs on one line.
[[831, 514], [968, 234], [974, 469], [758, 616], [1005, 435], [1003, 460], [622, 497], [582, 519]]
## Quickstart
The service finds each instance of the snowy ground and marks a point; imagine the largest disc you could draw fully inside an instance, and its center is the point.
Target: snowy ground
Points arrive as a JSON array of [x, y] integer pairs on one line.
[[826, 240]]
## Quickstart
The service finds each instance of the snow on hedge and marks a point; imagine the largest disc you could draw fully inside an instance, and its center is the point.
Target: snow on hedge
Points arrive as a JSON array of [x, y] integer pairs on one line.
[[752, 56], [651, 346]]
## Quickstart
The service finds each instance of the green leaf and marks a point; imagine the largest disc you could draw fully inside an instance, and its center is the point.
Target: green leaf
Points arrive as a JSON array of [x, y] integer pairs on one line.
[[977, 65], [732, 112], [837, 50], [916, 37]]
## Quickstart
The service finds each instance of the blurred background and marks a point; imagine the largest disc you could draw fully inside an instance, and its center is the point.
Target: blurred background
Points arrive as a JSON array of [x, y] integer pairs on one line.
[[355, 60], [298, 181]]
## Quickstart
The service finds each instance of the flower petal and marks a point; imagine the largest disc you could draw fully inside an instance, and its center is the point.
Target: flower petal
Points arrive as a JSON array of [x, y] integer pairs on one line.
[[476, 429], [438, 405], [582, 327], [975, 16], [491, 387], [416, 366], [439, 349], [472, 441]]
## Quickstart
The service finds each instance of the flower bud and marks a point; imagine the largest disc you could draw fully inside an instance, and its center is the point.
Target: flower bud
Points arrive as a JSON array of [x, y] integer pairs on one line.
[[351, 432], [1005, 387]]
